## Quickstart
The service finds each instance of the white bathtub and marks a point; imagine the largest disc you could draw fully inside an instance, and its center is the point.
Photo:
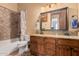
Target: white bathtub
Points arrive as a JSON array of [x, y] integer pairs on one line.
[[6, 47]]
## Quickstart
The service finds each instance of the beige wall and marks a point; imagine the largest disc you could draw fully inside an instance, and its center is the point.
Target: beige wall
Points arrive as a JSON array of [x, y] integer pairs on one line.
[[12, 6], [33, 11], [78, 12], [32, 14]]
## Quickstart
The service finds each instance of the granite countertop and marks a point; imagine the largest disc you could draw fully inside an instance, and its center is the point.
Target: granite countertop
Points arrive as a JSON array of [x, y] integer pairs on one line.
[[56, 36]]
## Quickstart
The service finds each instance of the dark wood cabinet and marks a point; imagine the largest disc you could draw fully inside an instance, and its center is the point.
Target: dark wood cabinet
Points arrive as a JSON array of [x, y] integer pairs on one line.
[[42, 46], [67, 47], [63, 51], [37, 46], [67, 51], [41, 50], [33, 46], [49, 46], [75, 51], [63, 48]]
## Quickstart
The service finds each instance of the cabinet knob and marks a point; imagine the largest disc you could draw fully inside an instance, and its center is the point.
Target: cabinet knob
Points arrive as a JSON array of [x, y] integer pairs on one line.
[[76, 48]]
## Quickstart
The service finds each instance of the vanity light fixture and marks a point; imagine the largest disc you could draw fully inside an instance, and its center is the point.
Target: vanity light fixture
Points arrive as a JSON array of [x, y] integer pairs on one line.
[[51, 5], [47, 7]]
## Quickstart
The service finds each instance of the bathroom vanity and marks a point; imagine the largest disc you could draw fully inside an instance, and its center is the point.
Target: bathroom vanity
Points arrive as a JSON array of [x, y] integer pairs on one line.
[[56, 38], [54, 45]]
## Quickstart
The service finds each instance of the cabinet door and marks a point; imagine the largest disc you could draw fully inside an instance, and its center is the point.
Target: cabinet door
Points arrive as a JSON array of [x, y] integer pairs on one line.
[[33, 45], [37, 45], [63, 51], [75, 52], [49, 46], [41, 51], [33, 48], [49, 49], [40, 47]]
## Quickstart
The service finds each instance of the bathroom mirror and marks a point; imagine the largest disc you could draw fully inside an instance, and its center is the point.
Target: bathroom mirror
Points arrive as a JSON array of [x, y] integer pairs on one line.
[[59, 19], [54, 20]]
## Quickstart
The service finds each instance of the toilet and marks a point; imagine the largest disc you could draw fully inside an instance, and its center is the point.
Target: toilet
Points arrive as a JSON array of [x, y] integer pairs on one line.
[[24, 44], [27, 38]]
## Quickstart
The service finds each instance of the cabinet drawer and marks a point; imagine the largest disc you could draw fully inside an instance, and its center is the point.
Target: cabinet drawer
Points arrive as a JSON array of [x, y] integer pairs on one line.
[[69, 42], [33, 39], [37, 39], [50, 52], [49, 45], [49, 40]]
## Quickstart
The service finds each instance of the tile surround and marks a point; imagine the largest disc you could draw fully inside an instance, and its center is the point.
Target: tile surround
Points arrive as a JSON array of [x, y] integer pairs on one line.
[[9, 24]]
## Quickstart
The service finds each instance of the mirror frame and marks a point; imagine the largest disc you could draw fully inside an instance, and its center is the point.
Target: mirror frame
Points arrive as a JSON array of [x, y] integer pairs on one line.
[[65, 8]]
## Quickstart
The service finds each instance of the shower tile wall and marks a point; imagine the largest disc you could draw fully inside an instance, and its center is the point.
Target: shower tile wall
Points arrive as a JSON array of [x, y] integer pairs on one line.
[[15, 24], [9, 24]]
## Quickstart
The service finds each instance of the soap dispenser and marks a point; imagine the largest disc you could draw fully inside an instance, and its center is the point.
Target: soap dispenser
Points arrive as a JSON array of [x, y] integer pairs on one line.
[[37, 26]]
